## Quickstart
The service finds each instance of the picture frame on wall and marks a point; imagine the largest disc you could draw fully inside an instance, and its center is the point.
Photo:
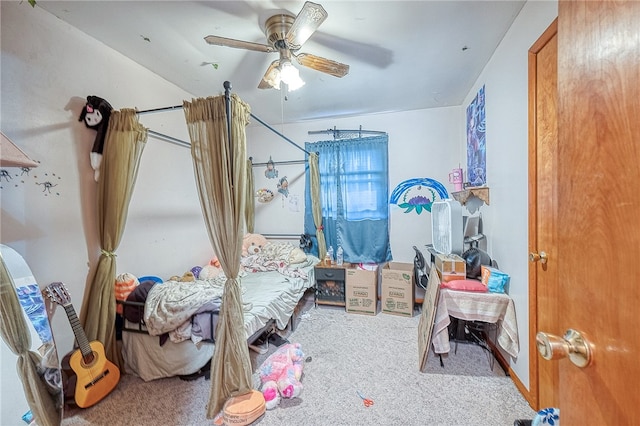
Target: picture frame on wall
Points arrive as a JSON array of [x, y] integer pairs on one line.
[[476, 141]]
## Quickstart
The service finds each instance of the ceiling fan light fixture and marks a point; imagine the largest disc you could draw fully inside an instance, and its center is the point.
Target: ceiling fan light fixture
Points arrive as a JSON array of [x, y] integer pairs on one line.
[[272, 78], [290, 75], [286, 34]]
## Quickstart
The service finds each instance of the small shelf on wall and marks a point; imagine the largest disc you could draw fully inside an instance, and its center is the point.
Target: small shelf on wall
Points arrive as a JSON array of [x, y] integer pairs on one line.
[[480, 192]]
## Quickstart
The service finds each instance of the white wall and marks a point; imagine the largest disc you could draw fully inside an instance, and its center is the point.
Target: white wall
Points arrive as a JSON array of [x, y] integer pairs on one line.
[[48, 69], [506, 219], [422, 144]]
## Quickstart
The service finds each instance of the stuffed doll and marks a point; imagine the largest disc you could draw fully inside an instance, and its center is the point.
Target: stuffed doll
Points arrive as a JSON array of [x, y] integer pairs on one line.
[[196, 271], [124, 285], [253, 244], [95, 115], [185, 278], [280, 374], [210, 270], [215, 262]]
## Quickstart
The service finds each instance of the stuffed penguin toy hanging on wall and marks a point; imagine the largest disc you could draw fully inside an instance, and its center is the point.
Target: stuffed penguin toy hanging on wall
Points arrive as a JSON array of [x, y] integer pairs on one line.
[[95, 115]]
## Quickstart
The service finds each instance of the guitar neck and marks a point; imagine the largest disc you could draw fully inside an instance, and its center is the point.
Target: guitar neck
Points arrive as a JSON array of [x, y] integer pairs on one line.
[[78, 331]]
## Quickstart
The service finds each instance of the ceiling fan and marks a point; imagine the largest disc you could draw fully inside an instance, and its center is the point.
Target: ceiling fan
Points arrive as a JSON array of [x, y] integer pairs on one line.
[[286, 34]]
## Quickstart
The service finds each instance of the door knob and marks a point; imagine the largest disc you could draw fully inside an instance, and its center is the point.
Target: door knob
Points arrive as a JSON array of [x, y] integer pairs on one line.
[[572, 345], [535, 257]]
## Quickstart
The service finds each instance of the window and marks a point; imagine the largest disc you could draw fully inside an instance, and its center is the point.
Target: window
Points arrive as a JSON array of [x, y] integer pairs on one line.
[[354, 194]]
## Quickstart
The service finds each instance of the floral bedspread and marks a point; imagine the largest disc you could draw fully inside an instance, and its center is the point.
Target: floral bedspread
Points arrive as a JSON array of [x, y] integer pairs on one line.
[[170, 305], [281, 257]]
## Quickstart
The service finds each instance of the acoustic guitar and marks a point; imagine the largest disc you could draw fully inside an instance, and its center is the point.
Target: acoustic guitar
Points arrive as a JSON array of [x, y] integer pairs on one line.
[[96, 376]]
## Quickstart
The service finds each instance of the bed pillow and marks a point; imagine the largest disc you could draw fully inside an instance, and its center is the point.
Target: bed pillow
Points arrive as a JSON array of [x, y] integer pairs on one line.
[[297, 255], [465, 285]]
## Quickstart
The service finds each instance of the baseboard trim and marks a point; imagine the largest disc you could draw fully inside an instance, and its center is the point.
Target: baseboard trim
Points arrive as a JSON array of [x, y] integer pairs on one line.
[[523, 390], [507, 369]]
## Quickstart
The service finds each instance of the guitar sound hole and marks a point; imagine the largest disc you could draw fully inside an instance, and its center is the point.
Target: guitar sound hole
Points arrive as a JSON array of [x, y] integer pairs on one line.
[[89, 359]]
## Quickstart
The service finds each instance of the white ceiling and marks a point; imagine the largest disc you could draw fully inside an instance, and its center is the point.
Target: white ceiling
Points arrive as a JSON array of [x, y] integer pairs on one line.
[[403, 55]]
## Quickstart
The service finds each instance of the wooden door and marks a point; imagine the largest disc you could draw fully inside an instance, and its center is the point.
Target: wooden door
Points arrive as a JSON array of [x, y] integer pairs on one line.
[[598, 238], [543, 144]]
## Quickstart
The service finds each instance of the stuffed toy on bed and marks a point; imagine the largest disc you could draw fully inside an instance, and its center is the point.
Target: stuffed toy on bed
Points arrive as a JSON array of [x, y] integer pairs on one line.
[[253, 244], [124, 285], [280, 374], [210, 270], [95, 115], [185, 278]]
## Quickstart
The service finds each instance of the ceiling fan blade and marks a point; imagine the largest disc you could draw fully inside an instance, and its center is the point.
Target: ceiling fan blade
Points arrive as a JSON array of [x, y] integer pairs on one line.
[[307, 21], [271, 78], [239, 44], [322, 64]]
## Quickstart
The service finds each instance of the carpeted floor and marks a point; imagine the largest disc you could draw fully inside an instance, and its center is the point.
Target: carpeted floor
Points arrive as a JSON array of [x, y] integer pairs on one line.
[[346, 354]]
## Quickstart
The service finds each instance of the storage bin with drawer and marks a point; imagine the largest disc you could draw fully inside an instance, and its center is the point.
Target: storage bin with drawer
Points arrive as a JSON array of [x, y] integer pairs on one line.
[[330, 285]]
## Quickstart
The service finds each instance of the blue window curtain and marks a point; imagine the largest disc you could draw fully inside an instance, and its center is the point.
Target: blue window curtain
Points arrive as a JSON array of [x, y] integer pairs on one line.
[[354, 181]]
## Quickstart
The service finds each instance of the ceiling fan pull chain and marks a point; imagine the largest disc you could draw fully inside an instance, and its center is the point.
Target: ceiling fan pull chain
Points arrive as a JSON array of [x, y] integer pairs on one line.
[[283, 97]]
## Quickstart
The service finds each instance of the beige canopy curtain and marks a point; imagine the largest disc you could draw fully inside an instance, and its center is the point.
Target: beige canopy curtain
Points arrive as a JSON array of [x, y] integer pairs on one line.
[[250, 199], [15, 333], [220, 171], [125, 140], [314, 187]]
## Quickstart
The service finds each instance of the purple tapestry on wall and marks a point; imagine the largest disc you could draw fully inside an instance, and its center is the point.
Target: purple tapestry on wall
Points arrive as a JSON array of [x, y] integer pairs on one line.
[[476, 152]]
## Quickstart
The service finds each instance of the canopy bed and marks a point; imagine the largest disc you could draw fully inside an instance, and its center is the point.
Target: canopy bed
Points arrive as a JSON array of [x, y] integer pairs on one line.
[[216, 128]]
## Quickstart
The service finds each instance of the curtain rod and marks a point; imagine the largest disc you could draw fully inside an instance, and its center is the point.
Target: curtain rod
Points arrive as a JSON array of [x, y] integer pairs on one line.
[[149, 111], [171, 108], [344, 134], [280, 134], [278, 162], [168, 138]]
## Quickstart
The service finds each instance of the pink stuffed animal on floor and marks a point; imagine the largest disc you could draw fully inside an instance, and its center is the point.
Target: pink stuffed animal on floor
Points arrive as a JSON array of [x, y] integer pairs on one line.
[[280, 374]]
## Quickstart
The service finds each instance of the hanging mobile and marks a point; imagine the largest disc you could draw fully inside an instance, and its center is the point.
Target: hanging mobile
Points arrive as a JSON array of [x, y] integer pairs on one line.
[[271, 172], [264, 195], [283, 186]]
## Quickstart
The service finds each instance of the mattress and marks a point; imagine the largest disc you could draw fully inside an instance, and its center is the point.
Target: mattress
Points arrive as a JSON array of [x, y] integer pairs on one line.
[[267, 296]]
